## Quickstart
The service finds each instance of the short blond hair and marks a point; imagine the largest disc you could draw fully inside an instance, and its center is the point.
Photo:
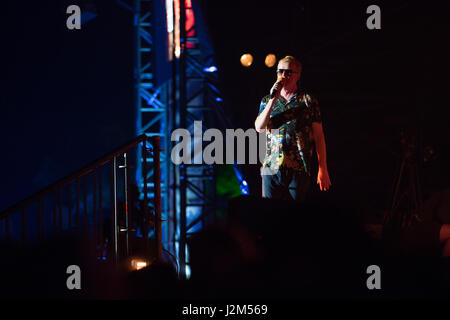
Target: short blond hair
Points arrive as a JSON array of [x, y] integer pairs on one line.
[[291, 59]]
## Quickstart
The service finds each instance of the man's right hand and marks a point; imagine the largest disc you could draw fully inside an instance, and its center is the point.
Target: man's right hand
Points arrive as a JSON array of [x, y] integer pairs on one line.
[[276, 89]]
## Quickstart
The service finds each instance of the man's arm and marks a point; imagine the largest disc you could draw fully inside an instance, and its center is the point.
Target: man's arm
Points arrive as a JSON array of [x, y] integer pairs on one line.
[[263, 118], [323, 180]]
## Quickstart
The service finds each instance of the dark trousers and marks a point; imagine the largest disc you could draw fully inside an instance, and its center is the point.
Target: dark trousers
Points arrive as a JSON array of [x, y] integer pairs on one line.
[[286, 184]]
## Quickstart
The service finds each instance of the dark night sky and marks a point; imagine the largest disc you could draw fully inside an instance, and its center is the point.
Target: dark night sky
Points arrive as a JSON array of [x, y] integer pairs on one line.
[[68, 96]]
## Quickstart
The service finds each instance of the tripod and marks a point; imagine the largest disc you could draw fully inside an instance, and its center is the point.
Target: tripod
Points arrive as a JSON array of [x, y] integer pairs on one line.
[[407, 192]]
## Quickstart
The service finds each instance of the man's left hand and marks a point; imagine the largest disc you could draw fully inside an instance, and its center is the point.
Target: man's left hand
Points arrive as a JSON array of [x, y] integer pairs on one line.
[[323, 180]]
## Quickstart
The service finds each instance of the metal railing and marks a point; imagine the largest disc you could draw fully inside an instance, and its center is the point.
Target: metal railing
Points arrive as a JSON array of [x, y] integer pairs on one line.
[[78, 204]]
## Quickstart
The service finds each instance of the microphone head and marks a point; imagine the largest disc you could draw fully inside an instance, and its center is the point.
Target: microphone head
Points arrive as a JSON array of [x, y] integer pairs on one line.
[[279, 79]]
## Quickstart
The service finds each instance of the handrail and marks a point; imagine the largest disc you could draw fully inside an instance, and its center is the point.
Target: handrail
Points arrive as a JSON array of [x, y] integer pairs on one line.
[[72, 176]]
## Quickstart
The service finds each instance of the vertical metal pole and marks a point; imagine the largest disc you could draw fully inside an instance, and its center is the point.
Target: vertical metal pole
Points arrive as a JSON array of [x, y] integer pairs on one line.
[[168, 173], [111, 223], [157, 182], [125, 164], [129, 205], [116, 245], [176, 124], [183, 107], [145, 209]]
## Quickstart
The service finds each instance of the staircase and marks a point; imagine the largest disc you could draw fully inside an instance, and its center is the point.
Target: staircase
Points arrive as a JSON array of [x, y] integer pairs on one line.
[[100, 203]]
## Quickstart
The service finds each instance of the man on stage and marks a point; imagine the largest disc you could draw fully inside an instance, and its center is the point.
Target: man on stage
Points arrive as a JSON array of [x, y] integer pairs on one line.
[[292, 121]]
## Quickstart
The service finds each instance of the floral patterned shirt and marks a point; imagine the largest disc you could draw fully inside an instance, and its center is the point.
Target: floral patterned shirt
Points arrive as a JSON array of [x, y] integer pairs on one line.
[[292, 146]]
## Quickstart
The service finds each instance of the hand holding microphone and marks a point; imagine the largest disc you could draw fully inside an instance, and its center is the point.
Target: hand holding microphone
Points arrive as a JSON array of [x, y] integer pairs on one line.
[[276, 89]]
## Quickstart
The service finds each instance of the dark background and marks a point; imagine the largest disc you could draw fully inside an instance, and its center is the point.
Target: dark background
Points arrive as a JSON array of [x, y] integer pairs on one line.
[[67, 96], [370, 84]]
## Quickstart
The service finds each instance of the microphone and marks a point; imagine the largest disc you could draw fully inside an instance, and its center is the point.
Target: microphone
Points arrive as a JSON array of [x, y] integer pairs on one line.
[[275, 92]]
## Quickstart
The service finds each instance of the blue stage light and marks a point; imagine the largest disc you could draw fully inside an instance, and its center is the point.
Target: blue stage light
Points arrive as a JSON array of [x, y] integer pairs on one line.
[[244, 187], [210, 69]]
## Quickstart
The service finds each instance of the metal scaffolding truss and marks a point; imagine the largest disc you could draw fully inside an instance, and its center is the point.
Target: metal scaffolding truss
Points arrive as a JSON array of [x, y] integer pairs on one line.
[[189, 190], [198, 99], [152, 111]]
